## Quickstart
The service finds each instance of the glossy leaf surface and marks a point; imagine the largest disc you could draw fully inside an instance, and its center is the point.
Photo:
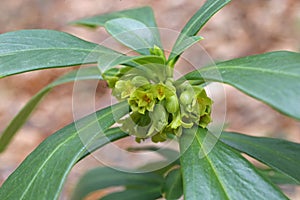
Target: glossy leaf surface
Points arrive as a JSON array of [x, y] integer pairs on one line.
[[143, 14], [29, 50], [184, 45], [134, 61], [167, 153], [173, 185], [104, 177], [25, 112], [221, 173], [133, 33], [42, 174], [197, 21], [147, 193], [279, 154], [278, 177], [271, 77]]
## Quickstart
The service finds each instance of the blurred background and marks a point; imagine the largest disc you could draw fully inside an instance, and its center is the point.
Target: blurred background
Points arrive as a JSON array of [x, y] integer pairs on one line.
[[242, 28]]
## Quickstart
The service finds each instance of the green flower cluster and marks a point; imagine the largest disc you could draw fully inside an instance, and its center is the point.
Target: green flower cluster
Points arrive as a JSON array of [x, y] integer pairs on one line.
[[159, 110]]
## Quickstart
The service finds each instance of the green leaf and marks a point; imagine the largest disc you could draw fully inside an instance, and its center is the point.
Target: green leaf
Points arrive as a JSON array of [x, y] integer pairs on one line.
[[278, 177], [173, 185], [221, 173], [184, 45], [169, 154], [86, 73], [271, 77], [23, 115], [42, 174], [29, 50], [143, 14], [198, 20], [107, 62], [171, 158], [279, 154], [104, 177], [133, 33], [148, 65], [146, 193]]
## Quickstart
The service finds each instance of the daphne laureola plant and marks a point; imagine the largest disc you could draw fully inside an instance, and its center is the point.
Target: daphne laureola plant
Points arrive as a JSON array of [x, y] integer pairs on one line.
[[153, 105]]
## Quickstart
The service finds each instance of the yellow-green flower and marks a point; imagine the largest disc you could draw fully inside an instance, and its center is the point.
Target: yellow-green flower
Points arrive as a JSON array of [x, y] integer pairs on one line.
[[159, 109], [141, 100], [123, 89], [136, 124], [159, 119]]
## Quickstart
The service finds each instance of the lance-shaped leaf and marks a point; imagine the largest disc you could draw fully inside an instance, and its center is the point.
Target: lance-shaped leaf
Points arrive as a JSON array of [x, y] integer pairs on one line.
[[107, 62], [147, 193], [219, 172], [184, 45], [44, 171], [173, 185], [197, 21], [171, 158], [278, 177], [19, 120], [133, 33], [151, 66], [271, 77], [142, 14], [138, 185], [279, 154], [29, 50], [167, 153]]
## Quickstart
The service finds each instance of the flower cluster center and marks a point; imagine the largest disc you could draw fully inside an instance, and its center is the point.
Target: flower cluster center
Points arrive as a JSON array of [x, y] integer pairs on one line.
[[159, 109]]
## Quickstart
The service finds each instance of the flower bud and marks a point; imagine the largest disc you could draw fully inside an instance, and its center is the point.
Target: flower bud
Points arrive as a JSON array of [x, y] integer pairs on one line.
[[111, 81], [139, 81], [159, 119], [186, 97], [172, 104], [157, 51], [111, 77]]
